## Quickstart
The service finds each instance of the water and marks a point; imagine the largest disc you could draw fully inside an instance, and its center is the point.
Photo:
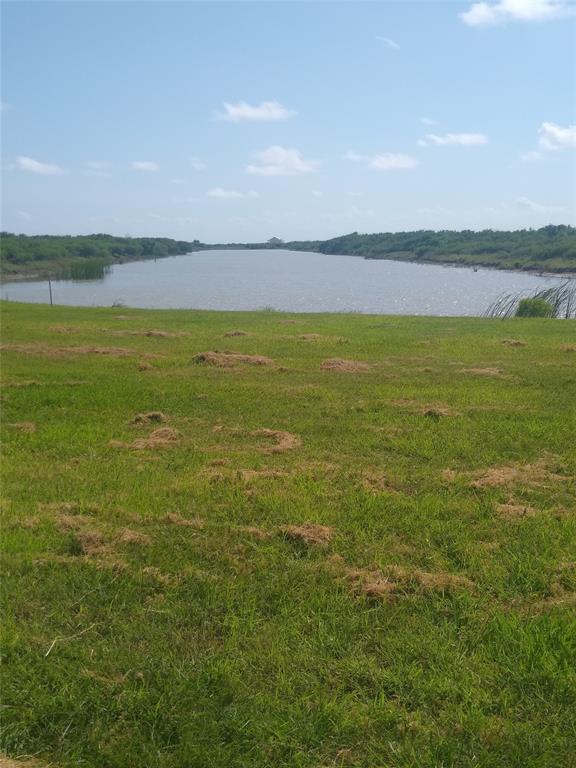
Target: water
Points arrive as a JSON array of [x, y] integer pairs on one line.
[[287, 280]]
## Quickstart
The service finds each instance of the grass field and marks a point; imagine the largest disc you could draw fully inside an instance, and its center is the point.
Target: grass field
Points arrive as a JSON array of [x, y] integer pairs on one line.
[[365, 564]]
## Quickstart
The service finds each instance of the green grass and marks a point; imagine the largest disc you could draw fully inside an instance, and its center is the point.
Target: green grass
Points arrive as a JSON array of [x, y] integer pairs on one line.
[[210, 647]]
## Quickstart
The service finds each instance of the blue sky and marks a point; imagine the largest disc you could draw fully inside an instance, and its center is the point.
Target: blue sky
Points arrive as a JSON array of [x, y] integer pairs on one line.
[[241, 121]]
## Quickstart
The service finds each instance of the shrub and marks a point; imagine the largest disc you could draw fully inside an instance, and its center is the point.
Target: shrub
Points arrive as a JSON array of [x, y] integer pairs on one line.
[[535, 307]]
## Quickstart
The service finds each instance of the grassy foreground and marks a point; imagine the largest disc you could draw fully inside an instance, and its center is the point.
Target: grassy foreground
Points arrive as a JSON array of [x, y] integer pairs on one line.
[[360, 566]]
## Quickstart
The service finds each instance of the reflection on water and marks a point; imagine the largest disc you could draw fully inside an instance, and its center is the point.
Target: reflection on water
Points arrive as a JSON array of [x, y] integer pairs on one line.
[[287, 280]]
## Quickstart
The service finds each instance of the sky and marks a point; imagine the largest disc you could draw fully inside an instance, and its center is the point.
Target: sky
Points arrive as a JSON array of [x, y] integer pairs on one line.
[[241, 121]]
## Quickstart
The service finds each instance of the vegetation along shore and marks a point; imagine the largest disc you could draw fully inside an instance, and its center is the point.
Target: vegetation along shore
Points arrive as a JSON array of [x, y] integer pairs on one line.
[[550, 249], [261, 539]]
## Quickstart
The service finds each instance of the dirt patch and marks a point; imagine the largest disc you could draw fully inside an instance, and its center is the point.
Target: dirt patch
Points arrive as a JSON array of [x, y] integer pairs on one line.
[[219, 462], [569, 348], [311, 337], [144, 366], [191, 522], [255, 474], [230, 359], [537, 474], [27, 427], [309, 533], [128, 536], [513, 343], [283, 441], [235, 333], [512, 509], [160, 438], [494, 373], [344, 366], [152, 417]]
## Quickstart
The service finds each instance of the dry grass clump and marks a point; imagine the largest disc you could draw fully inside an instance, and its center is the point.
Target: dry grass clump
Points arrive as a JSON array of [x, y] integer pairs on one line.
[[230, 359], [152, 417], [513, 343], [235, 333], [88, 541], [219, 462], [45, 350], [309, 533], [256, 474], [311, 336], [253, 530], [376, 481], [162, 437], [23, 426], [283, 441], [144, 366], [495, 373], [513, 509], [536, 474], [128, 536], [8, 762], [432, 410], [344, 366], [395, 579]]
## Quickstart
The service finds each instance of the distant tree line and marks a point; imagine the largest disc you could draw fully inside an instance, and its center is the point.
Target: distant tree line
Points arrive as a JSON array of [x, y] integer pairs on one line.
[[52, 254], [551, 248]]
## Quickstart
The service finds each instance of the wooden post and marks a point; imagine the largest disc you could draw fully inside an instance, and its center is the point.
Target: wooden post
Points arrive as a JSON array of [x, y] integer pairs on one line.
[[50, 289]]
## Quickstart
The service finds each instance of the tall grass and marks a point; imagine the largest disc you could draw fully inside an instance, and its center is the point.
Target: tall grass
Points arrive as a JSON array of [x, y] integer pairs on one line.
[[88, 269], [561, 298]]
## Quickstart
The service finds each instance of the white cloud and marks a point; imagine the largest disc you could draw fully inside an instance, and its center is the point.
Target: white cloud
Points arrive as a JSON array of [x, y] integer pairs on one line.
[[281, 161], [388, 161], [265, 111], [384, 161], [453, 139], [485, 14], [530, 205], [35, 166], [145, 165], [388, 42], [530, 157], [98, 168], [355, 212], [428, 121], [197, 163], [553, 136], [229, 194]]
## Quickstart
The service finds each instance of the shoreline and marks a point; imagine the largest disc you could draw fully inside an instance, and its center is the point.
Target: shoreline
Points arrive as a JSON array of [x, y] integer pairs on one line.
[[15, 277]]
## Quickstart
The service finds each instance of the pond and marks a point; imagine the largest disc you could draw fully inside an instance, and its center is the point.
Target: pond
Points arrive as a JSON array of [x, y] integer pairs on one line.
[[287, 280]]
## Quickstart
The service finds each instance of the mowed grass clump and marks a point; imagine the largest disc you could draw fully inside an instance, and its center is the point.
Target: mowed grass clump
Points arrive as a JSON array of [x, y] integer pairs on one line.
[[361, 553]]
